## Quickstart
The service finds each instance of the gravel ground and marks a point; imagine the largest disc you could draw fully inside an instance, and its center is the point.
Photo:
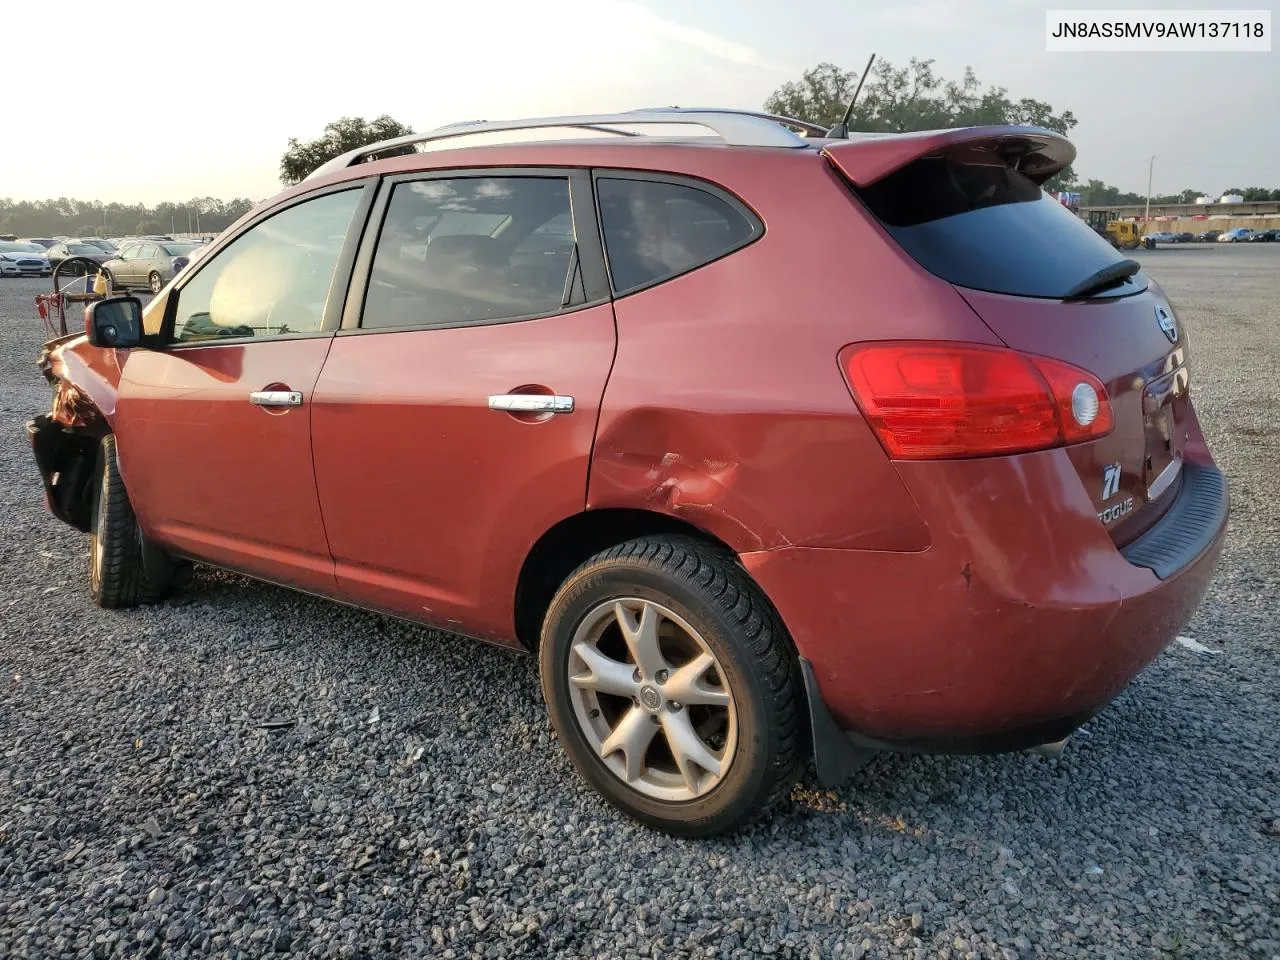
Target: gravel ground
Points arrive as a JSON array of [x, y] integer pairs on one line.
[[417, 804]]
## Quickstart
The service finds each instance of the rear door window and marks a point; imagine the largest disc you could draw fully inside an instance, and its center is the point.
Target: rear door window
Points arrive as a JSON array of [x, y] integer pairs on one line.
[[463, 250], [657, 229], [986, 226]]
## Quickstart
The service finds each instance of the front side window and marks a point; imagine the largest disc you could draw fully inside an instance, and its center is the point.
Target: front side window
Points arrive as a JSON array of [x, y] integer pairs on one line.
[[272, 280], [458, 251], [654, 230]]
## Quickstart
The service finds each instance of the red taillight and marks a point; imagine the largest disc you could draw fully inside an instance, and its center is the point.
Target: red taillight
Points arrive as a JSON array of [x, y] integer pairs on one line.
[[940, 400]]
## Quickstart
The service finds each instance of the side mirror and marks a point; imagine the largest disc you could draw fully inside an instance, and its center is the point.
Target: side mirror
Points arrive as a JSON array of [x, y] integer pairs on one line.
[[114, 322]]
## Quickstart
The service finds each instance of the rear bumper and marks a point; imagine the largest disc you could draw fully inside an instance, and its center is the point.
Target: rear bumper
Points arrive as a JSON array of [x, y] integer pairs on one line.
[[1017, 624]]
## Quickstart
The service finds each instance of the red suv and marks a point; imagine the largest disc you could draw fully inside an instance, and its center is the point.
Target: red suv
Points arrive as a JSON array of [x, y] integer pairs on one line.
[[774, 449]]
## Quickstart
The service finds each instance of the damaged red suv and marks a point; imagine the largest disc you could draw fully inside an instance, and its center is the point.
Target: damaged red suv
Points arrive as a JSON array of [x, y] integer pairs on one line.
[[774, 449]]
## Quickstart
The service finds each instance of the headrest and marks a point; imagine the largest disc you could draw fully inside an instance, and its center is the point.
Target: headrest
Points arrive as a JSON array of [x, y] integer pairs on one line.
[[467, 250]]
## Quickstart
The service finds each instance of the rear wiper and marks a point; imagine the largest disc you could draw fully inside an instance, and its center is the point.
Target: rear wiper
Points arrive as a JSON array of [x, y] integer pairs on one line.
[[1113, 274]]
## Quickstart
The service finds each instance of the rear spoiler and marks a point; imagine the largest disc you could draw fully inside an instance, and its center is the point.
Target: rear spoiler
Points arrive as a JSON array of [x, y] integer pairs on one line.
[[1033, 151]]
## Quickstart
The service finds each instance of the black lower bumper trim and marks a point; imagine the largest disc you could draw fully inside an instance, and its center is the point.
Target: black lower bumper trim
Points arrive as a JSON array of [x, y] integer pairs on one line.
[[1190, 526]]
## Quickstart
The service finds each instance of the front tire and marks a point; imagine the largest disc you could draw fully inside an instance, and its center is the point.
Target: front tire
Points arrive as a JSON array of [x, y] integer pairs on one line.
[[117, 578], [155, 283], [673, 686]]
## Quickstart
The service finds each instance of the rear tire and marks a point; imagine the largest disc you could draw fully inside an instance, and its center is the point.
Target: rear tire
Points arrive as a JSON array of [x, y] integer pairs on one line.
[[155, 283], [738, 743], [117, 578]]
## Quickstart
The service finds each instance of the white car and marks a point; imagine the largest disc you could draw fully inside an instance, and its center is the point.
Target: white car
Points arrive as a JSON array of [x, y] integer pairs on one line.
[[23, 260], [1236, 235], [1163, 236]]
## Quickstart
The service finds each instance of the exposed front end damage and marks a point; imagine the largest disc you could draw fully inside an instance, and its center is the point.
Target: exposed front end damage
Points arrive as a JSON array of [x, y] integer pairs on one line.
[[65, 440]]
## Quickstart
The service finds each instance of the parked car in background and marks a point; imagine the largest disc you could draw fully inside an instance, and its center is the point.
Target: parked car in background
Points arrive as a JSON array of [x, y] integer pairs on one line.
[[197, 252], [74, 248], [1236, 235], [98, 242], [1208, 236], [1265, 236], [1183, 237], [1160, 236], [597, 400], [18, 259], [148, 264], [44, 243]]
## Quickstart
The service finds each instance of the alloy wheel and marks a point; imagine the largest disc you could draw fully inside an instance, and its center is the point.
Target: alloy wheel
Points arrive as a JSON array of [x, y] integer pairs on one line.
[[651, 699]]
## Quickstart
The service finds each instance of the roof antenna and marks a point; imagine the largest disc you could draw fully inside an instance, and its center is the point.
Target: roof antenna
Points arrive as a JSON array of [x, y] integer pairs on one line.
[[841, 130]]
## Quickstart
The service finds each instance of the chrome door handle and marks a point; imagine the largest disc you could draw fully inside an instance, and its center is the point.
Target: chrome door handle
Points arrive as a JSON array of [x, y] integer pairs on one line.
[[276, 398], [531, 403]]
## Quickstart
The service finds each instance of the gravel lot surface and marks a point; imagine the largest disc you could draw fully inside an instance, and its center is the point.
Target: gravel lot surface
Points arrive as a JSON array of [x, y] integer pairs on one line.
[[418, 805]]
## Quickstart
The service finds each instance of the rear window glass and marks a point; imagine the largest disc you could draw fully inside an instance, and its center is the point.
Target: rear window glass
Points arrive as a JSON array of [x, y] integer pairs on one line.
[[988, 227], [655, 230]]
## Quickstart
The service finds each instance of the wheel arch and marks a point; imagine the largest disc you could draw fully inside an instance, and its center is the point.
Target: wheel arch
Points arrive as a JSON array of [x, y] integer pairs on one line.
[[576, 538]]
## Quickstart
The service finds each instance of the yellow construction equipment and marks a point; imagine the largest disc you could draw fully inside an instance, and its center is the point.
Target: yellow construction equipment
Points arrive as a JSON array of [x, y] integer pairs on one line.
[[1121, 234]]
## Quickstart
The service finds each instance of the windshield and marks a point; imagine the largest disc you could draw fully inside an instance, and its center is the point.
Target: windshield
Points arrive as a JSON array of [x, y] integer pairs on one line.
[[8, 246], [986, 226], [83, 249]]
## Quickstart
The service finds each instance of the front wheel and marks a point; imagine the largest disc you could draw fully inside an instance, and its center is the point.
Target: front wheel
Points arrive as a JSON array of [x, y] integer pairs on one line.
[[155, 283], [117, 577], [673, 686]]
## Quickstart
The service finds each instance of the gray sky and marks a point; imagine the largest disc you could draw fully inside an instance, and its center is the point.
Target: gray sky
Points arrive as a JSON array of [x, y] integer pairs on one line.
[[203, 97]]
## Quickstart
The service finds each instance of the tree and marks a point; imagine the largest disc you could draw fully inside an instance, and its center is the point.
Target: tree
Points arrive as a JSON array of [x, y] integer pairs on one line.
[[87, 230], [149, 227], [911, 98], [341, 135]]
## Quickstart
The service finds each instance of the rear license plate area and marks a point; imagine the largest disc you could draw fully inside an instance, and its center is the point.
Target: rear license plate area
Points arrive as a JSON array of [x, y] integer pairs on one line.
[[1165, 415]]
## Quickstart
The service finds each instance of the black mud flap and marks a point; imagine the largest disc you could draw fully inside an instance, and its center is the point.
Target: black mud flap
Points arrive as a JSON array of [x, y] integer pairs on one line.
[[835, 756]]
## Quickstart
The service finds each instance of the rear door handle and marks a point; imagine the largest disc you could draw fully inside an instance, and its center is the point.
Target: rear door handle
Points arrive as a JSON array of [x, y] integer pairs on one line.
[[531, 403], [276, 398]]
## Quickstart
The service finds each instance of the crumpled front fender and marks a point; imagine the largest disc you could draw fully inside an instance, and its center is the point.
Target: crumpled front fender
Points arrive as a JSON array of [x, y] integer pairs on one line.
[[91, 379]]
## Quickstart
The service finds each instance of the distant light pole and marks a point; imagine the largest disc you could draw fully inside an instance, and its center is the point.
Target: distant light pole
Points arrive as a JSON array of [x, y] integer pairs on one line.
[[1150, 167]]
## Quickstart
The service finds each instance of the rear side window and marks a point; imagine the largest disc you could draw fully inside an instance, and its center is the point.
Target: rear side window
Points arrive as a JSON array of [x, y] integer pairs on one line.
[[473, 250], [986, 226], [655, 230]]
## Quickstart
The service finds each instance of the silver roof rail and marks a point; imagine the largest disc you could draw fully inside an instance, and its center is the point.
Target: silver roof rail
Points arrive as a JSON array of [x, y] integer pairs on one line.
[[740, 128]]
